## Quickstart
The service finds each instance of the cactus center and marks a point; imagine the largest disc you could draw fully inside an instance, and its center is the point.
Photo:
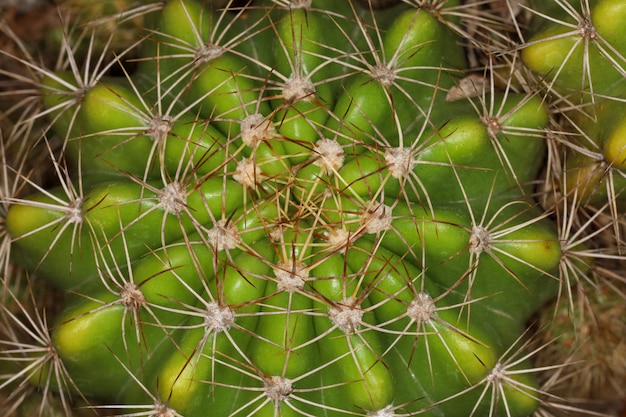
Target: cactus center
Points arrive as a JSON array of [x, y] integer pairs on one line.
[[497, 374], [339, 239], [296, 4], [385, 412], [159, 128], [223, 235], [298, 88], [248, 174], [421, 308], [131, 296], [207, 53], [291, 275], [378, 219], [161, 410], [479, 240], [347, 315], [218, 318], [172, 198], [400, 161], [278, 388], [433, 6], [331, 155], [75, 211], [255, 128], [383, 74]]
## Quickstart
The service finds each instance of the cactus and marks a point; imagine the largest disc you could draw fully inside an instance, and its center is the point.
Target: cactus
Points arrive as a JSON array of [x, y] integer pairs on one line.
[[315, 208]]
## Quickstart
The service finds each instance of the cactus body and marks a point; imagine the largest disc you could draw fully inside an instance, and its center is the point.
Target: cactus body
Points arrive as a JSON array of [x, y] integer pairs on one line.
[[298, 223], [585, 63]]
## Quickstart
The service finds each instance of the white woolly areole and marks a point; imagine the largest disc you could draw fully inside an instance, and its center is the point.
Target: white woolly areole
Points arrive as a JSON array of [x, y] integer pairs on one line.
[[291, 275], [159, 128], [295, 4], [400, 162], [162, 410], [479, 240], [346, 315], [75, 211], [277, 233], [248, 174], [278, 388], [497, 374], [377, 220], [131, 296], [218, 318], [421, 308], [207, 52], [385, 412], [223, 236], [255, 128], [331, 155], [173, 198], [339, 239], [384, 74], [298, 88]]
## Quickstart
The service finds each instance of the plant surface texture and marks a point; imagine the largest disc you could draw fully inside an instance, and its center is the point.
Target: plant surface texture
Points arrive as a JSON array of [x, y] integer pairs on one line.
[[315, 208]]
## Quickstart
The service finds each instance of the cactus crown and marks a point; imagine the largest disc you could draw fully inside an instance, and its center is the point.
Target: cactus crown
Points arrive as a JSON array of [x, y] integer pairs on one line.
[[312, 208]]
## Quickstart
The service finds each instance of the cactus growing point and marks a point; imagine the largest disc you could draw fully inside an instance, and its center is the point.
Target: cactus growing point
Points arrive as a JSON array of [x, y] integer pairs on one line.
[[279, 211]]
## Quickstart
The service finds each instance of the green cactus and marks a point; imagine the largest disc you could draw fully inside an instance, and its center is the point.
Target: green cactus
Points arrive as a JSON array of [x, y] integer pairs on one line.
[[282, 211], [579, 50]]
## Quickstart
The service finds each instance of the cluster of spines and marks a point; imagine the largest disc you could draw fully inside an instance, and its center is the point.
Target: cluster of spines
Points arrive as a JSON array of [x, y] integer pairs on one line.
[[578, 67]]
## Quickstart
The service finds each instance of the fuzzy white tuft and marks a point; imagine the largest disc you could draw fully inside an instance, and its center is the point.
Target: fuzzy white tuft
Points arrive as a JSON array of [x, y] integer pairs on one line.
[[422, 308], [298, 88], [291, 275], [173, 198], [378, 219], [346, 315], [255, 128], [331, 155], [224, 236], [248, 173], [400, 162]]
